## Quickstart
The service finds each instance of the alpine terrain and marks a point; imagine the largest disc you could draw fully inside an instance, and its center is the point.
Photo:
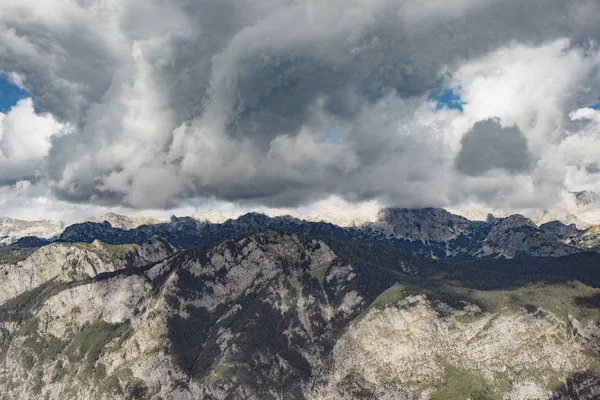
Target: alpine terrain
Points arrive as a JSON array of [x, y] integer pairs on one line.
[[299, 200], [420, 304]]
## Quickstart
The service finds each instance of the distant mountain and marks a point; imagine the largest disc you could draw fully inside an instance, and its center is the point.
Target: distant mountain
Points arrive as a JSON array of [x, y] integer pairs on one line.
[[430, 232], [581, 208], [215, 216], [517, 236], [561, 214], [123, 221], [12, 229], [586, 198], [428, 225], [188, 232], [567, 233], [477, 213]]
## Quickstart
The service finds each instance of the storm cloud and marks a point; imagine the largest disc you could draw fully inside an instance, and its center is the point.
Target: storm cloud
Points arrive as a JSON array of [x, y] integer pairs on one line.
[[489, 145], [153, 104]]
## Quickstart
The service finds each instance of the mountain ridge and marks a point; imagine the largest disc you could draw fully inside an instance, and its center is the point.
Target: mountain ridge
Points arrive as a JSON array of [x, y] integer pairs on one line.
[[566, 211], [345, 320], [430, 232]]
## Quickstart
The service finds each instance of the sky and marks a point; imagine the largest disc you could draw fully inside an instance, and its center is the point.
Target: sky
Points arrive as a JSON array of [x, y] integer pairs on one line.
[[161, 107], [10, 94]]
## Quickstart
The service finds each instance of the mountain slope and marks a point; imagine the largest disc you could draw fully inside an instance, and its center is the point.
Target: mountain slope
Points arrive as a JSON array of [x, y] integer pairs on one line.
[[60, 262], [277, 316], [417, 347], [589, 239], [201, 315]]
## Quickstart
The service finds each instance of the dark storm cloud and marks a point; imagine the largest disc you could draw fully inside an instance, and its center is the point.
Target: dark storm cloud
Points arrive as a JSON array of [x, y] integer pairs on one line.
[[489, 145]]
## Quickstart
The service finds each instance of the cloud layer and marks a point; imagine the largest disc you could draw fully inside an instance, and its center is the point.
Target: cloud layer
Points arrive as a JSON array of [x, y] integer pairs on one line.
[[153, 104]]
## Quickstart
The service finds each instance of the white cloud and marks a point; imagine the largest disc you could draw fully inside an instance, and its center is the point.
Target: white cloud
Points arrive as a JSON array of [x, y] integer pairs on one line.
[[585, 113], [528, 86], [25, 139], [26, 135]]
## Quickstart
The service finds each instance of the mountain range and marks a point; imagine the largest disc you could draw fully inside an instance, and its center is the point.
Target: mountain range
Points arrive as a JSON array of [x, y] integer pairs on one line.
[[575, 207], [430, 232], [416, 304]]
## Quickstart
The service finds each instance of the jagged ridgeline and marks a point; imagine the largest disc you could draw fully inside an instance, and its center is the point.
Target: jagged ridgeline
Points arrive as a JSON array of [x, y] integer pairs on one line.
[[429, 232], [279, 316]]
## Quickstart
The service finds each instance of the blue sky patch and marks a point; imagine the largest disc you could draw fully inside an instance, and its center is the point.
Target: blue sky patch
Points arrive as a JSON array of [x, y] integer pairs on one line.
[[596, 106], [337, 136], [446, 98], [10, 94]]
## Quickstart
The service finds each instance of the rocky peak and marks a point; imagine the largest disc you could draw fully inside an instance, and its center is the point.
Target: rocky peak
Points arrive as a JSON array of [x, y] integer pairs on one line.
[[253, 219], [566, 233], [182, 222], [492, 219], [214, 216], [562, 214], [426, 225], [89, 231], [512, 221], [518, 236]]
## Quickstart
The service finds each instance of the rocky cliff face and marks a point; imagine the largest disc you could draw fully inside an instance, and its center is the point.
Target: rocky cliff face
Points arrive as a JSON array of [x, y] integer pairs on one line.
[[426, 349], [278, 316], [62, 262]]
